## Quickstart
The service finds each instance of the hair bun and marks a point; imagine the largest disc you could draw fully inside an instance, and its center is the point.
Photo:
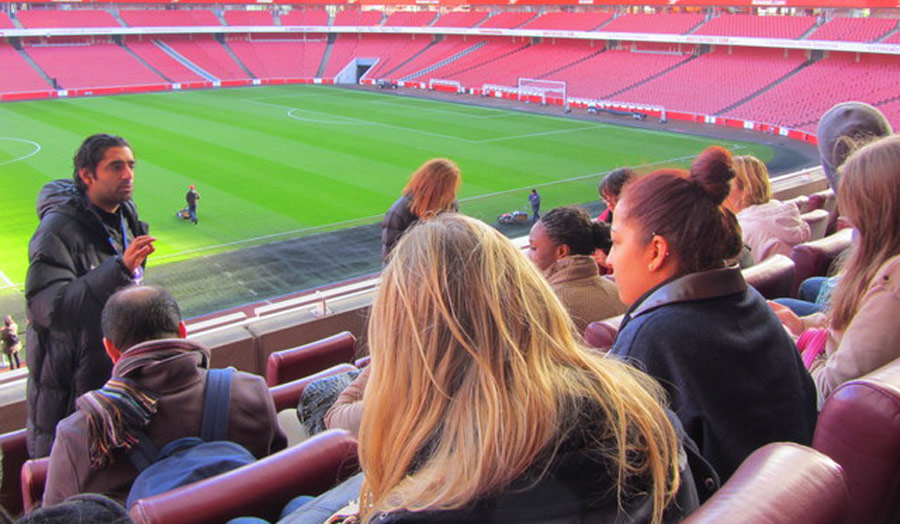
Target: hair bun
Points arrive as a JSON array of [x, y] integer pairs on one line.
[[712, 171]]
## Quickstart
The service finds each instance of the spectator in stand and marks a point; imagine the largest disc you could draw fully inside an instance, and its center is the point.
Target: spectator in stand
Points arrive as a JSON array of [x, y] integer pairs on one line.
[[610, 188], [731, 371], [841, 128], [560, 245], [860, 333], [9, 338], [768, 227], [431, 190], [482, 405], [157, 387]]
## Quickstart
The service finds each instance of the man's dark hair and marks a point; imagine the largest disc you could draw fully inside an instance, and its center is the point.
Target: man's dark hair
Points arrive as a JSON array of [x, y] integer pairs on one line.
[[139, 313], [613, 183], [91, 153]]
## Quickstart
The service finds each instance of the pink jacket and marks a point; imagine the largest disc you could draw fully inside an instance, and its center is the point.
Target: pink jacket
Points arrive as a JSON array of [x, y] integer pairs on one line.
[[870, 341], [772, 228]]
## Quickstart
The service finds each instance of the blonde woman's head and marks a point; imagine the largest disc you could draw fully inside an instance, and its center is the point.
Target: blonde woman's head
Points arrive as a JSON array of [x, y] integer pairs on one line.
[[751, 185]]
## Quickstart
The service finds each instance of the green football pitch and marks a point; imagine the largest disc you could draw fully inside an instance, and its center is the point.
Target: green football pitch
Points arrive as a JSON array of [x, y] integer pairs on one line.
[[273, 163]]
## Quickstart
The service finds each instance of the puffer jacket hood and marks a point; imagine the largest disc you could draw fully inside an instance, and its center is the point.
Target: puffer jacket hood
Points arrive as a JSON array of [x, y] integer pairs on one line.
[[55, 195], [771, 228]]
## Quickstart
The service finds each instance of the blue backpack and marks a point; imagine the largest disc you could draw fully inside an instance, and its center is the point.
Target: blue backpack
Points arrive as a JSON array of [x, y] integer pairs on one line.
[[189, 459]]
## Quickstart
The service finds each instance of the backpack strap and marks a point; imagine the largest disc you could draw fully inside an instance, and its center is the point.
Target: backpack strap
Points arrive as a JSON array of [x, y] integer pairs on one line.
[[216, 404]]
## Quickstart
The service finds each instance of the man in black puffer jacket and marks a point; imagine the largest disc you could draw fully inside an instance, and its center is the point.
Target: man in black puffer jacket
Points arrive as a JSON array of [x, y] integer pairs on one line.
[[89, 244]]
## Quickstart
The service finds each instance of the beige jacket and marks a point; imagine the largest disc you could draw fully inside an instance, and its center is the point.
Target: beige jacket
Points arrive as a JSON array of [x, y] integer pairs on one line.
[[347, 411], [870, 341], [587, 296]]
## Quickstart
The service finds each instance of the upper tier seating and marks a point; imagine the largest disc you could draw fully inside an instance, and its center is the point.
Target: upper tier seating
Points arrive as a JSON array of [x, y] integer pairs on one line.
[[166, 18], [208, 54], [802, 99], [6, 22], [854, 29], [36, 19], [391, 50], [535, 61], [249, 18], [162, 61], [283, 58], [659, 23], [715, 80], [410, 19], [440, 51], [305, 17], [461, 19], [359, 18], [758, 26], [18, 75], [602, 75], [891, 111], [507, 20], [568, 21], [81, 66]]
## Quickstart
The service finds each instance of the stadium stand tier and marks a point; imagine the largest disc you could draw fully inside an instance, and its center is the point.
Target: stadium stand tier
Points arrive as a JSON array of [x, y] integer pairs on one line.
[[410, 19], [437, 53], [79, 66], [569, 21], [758, 26], [507, 20], [461, 19], [158, 58], [290, 56], [6, 22], [359, 18], [18, 75], [854, 29], [305, 17], [206, 53], [168, 18], [390, 50], [249, 18], [658, 23], [38, 19]]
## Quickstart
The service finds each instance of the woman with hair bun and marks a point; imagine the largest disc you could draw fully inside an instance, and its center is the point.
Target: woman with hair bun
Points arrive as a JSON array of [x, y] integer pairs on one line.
[[768, 226], [732, 373], [561, 244], [431, 190], [483, 406]]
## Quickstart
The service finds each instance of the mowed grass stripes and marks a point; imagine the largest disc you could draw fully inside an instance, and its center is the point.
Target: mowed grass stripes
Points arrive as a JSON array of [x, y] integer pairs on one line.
[[276, 162]]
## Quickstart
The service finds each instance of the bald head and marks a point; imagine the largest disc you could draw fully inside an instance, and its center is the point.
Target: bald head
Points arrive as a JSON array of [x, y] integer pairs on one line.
[[137, 314]]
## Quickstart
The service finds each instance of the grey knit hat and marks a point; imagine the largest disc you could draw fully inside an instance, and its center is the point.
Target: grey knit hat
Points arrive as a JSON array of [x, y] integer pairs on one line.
[[841, 129]]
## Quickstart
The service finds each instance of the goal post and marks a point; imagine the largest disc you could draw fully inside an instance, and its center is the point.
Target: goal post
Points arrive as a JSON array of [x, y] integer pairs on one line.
[[448, 86], [542, 90]]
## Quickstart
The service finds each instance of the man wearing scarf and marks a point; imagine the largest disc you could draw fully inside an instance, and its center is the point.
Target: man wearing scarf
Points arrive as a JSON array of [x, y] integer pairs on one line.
[[157, 386]]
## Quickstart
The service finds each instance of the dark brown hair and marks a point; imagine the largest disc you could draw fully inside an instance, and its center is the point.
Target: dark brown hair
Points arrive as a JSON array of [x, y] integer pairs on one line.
[[686, 209], [573, 227]]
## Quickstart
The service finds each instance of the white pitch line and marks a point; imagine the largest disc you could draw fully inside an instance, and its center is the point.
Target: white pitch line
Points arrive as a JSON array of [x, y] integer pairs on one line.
[[542, 133], [500, 113], [37, 148], [9, 283]]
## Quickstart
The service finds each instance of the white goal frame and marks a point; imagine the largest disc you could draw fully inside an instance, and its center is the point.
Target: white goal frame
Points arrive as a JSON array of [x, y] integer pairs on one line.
[[542, 88], [440, 81]]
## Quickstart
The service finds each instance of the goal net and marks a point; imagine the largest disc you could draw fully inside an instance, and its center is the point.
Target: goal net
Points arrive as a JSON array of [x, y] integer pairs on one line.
[[449, 86], [542, 90]]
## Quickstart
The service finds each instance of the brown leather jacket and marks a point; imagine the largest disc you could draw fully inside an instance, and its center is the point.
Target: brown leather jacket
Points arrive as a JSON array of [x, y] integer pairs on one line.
[[587, 296], [179, 381]]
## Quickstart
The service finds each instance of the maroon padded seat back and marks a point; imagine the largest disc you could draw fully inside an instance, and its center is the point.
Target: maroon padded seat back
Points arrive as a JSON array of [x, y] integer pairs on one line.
[[260, 489], [815, 258], [772, 277], [780, 483], [600, 335], [34, 478], [287, 396], [859, 427], [15, 453], [818, 221], [292, 364], [827, 199]]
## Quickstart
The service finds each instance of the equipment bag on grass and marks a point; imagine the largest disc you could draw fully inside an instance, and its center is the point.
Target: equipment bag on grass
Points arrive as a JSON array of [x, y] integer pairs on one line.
[[189, 459]]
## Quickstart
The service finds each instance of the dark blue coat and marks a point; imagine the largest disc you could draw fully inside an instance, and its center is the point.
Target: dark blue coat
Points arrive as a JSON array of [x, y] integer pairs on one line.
[[734, 376]]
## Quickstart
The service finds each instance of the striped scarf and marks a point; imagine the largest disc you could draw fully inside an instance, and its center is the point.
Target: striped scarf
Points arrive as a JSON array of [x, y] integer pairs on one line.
[[115, 413]]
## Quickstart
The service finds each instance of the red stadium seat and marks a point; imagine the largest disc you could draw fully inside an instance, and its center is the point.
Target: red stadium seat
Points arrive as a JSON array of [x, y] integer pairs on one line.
[[817, 220], [15, 453], [299, 362], [772, 277], [859, 427], [260, 489], [600, 334], [287, 396], [815, 258], [34, 477], [780, 483]]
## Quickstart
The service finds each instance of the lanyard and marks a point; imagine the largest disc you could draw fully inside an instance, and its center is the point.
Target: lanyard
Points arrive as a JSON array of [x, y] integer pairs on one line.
[[138, 275]]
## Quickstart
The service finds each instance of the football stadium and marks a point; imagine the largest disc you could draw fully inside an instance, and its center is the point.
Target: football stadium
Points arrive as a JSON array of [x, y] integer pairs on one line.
[[296, 125]]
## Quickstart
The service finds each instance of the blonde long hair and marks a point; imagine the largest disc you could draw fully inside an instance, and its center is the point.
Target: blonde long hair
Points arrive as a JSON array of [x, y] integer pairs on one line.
[[752, 178], [476, 371], [432, 188], [868, 196]]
